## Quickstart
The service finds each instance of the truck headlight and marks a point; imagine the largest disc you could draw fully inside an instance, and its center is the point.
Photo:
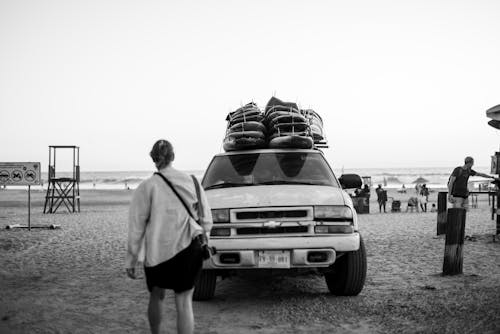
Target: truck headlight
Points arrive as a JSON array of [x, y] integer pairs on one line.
[[220, 232], [332, 212], [332, 229], [220, 215]]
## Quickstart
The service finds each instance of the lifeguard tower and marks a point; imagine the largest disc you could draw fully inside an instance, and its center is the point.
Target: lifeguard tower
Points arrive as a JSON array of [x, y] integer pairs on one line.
[[63, 190]]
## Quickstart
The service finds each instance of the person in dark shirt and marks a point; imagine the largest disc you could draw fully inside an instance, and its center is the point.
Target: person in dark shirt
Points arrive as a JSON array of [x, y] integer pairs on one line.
[[381, 197], [365, 192], [458, 191]]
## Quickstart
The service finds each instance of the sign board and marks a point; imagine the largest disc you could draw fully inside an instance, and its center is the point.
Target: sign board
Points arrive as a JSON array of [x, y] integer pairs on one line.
[[20, 173]]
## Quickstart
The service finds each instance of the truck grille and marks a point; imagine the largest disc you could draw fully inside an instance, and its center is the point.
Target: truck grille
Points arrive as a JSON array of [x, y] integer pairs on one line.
[[273, 213], [277, 230], [253, 215]]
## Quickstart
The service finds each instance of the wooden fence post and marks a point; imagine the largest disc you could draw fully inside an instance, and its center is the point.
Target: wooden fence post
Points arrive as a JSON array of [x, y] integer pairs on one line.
[[498, 211], [441, 212], [453, 251]]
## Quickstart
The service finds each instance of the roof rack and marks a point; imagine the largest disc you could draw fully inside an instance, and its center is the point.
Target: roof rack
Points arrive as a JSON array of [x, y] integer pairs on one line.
[[321, 144]]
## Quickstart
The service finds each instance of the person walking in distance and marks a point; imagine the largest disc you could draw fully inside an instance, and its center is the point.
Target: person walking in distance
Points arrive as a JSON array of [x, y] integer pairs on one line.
[[381, 197], [458, 191], [165, 238]]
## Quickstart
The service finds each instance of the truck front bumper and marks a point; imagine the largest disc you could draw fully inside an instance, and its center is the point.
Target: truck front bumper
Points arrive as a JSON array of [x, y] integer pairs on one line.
[[244, 252]]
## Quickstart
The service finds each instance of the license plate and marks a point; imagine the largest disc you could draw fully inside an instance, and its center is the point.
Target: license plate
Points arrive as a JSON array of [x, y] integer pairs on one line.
[[274, 259]]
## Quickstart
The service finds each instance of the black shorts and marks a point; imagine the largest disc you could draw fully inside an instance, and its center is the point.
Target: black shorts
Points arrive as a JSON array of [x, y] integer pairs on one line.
[[178, 273]]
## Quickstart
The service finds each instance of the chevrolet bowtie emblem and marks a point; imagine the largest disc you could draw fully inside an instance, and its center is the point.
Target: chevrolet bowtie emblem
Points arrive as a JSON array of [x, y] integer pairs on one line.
[[272, 224]]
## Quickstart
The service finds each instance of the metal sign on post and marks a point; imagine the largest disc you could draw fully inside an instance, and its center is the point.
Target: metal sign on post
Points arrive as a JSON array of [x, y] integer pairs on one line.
[[22, 174]]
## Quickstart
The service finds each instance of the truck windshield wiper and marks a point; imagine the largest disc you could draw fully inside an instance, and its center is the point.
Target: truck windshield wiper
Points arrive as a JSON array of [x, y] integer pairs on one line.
[[228, 185]]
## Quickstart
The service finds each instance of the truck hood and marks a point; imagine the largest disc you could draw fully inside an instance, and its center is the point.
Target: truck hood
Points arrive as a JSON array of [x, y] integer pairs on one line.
[[275, 195]]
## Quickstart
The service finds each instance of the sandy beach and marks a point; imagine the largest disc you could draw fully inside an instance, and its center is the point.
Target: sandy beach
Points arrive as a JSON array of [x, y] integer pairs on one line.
[[72, 279]]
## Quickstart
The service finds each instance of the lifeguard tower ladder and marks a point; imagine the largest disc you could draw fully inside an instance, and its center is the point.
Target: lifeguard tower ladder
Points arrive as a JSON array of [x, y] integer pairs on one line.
[[63, 190]]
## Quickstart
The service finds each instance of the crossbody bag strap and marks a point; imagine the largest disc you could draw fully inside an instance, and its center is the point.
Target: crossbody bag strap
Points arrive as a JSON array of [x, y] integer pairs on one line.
[[177, 194]]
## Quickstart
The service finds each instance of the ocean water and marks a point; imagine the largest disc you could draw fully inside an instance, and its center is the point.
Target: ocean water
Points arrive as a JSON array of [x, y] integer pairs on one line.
[[116, 179], [433, 177]]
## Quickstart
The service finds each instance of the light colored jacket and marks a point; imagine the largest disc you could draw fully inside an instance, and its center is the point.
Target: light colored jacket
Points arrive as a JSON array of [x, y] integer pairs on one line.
[[159, 225]]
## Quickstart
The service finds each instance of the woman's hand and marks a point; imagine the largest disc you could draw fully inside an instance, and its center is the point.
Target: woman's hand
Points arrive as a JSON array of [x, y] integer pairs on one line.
[[131, 273], [451, 199]]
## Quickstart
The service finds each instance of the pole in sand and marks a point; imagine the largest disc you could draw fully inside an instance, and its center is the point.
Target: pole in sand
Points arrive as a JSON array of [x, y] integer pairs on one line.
[[498, 210], [453, 251], [441, 212]]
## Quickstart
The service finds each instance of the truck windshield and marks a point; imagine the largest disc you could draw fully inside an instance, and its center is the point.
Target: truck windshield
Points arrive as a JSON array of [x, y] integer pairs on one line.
[[252, 169]]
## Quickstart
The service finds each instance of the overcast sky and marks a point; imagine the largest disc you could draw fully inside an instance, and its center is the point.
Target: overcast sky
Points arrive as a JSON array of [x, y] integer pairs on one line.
[[398, 83]]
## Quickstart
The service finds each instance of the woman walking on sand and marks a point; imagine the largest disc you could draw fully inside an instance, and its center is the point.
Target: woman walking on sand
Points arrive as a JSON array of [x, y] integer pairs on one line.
[[159, 222]]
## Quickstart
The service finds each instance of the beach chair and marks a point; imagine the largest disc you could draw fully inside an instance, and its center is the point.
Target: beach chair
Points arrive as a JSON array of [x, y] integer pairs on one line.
[[412, 204], [395, 206]]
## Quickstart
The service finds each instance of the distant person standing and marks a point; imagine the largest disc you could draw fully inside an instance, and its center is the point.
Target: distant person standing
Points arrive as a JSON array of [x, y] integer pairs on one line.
[[418, 187], [161, 228], [365, 192], [458, 192], [381, 197], [424, 197]]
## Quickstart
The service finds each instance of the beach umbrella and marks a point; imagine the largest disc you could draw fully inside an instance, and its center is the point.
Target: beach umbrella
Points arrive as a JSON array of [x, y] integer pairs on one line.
[[494, 113], [393, 179], [420, 180]]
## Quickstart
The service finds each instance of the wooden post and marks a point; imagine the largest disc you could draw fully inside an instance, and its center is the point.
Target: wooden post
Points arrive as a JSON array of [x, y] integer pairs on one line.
[[498, 212], [29, 207], [441, 212], [453, 252]]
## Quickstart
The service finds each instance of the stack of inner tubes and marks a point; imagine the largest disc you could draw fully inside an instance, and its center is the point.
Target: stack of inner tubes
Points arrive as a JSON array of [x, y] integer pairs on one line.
[[287, 126], [316, 124], [282, 125], [245, 130]]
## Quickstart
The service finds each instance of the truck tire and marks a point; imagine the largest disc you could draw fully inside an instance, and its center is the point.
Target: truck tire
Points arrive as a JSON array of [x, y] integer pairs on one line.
[[204, 286], [348, 273]]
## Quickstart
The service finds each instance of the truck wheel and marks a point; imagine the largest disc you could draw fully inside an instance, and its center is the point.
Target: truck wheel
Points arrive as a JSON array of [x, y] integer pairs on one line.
[[204, 286], [346, 276]]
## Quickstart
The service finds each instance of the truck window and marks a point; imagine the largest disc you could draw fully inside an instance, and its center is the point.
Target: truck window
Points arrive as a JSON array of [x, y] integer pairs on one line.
[[268, 169]]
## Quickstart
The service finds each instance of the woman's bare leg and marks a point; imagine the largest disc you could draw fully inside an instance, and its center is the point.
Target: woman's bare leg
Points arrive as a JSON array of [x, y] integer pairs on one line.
[[155, 309], [185, 317]]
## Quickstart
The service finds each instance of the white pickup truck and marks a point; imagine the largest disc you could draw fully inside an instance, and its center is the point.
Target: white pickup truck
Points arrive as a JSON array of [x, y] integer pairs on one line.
[[282, 210]]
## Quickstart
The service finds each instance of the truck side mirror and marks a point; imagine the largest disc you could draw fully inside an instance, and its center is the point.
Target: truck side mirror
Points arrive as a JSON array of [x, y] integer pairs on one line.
[[349, 181]]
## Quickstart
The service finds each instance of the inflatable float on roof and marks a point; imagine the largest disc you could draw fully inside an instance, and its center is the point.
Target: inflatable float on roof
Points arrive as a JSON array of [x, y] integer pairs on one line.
[[281, 125]]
